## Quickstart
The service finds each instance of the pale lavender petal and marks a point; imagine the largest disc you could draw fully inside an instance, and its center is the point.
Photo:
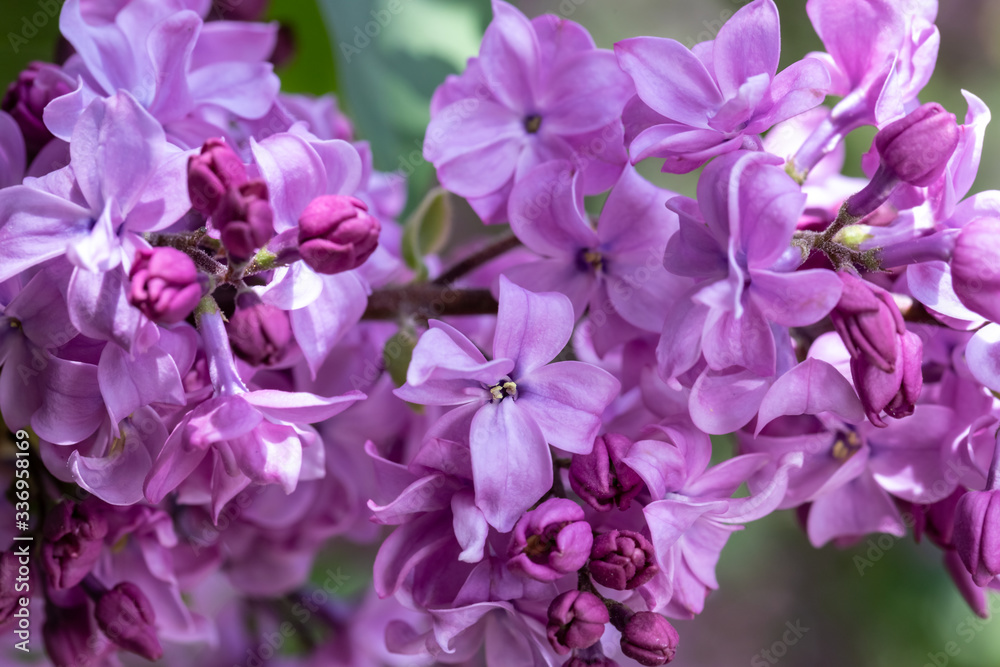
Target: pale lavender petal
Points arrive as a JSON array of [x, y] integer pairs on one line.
[[746, 341], [810, 388], [270, 454], [796, 89], [748, 44], [983, 356], [908, 457], [855, 509], [406, 547], [660, 464], [149, 376], [686, 92], [294, 173], [586, 94], [561, 275], [566, 400], [531, 328], [509, 56], [99, 306], [546, 211], [36, 226], [427, 494], [300, 407], [669, 520], [680, 345], [319, 326], [71, 406], [795, 299], [765, 500], [292, 287], [246, 89], [724, 401], [470, 526], [13, 154], [511, 463], [438, 356]]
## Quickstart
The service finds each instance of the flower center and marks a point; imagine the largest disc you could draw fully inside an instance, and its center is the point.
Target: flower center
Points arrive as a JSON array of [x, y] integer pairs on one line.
[[502, 390], [590, 260], [532, 123], [846, 445]]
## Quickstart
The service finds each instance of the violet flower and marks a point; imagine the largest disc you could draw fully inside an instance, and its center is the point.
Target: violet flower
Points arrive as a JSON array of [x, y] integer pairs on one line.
[[717, 97], [515, 404], [601, 478], [539, 90], [551, 541], [576, 620]]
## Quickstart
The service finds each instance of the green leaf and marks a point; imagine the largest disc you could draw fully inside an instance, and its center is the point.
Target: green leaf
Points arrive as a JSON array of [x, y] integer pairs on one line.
[[427, 229], [398, 353]]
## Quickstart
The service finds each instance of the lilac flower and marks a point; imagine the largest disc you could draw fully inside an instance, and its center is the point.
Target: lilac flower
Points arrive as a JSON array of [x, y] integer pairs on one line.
[[125, 615], [851, 467], [27, 97], [171, 62], [94, 211], [622, 560], [13, 158], [719, 96], [538, 91], [516, 403], [649, 639], [692, 513], [735, 241], [615, 269], [601, 478], [576, 620], [879, 55], [165, 284], [336, 234], [74, 536], [256, 435]]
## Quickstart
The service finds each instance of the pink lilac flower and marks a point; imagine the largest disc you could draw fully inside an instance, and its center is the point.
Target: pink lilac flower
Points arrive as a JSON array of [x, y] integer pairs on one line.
[[717, 97], [517, 403], [735, 242], [538, 91], [615, 269]]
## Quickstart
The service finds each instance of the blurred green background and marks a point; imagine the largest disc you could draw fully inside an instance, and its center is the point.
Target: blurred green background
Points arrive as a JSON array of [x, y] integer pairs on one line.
[[900, 611]]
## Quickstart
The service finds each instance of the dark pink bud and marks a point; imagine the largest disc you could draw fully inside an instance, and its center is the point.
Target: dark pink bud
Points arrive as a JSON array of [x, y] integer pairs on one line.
[[977, 534], [868, 321], [917, 147], [127, 618], [622, 560], [601, 479], [259, 333], [975, 596], [551, 540], [165, 284], [649, 639], [975, 267], [895, 393], [245, 220], [74, 536], [71, 637], [27, 97], [213, 172], [576, 620], [336, 234]]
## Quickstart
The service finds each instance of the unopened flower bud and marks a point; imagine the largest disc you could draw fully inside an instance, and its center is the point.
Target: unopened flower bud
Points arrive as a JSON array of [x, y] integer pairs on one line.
[[259, 333], [27, 97], [601, 479], [622, 560], [70, 636], [74, 536], [576, 620], [213, 172], [916, 148], [975, 267], [245, 220], [551, 541], [895, 393], [126, 617], [336, 234], [649, 639], [977, 534], [596, 661], [165, 284], [868, 321]]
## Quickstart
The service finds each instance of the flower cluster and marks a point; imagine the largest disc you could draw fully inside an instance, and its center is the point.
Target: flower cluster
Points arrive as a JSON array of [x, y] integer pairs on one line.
[[229, 357]]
